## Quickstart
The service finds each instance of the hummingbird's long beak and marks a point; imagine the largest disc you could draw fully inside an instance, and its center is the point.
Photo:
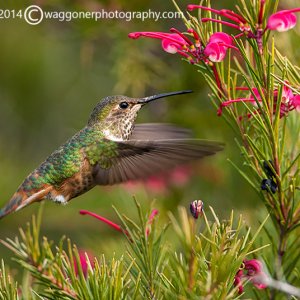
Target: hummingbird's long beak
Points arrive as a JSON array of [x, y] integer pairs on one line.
[[155, 97]]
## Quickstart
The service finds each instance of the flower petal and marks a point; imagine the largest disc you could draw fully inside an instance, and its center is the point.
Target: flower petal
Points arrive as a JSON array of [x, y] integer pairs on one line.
[[85, 258], [170, 45], [221, 37], [215, 52], [282, 21], [171, 42], [287, 94], [296, 102], [253, 266]]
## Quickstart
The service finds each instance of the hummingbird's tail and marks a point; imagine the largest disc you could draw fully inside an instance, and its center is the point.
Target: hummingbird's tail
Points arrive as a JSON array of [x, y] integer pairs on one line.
[[21, 199], [12, 205]]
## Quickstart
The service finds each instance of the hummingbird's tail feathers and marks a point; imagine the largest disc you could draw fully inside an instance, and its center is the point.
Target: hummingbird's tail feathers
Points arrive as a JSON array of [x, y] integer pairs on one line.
[[140, 159], [157, 131], [21, 199], [11, 206]]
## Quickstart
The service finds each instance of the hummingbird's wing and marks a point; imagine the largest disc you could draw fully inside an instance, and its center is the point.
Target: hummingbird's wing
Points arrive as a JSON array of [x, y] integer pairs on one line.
[[158, 131], [138, 159]]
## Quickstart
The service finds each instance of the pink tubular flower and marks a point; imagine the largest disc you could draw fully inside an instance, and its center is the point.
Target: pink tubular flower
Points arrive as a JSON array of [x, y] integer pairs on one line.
[[289, 101], [251, 270], [238, 281], [104, 220], [171, 42], [221, 37], [150, 221], [217, 46], [170, 46], [118, 227], [254, 271], [283, 20], [280, 21], [152, 216], [85, 258], [238, 21], [215, 52], [196, 208], [191, 47], [296, 103]]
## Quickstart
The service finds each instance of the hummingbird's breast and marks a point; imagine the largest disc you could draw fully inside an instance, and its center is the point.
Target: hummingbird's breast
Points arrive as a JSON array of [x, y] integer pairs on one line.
[[75, 185]]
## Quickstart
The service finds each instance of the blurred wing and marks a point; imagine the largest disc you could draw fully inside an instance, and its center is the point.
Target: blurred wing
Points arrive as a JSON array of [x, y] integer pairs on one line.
[[157, 131], [138, 159]]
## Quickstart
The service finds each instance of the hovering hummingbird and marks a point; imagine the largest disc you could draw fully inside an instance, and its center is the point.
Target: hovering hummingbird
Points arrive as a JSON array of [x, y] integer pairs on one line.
[[110, 149]]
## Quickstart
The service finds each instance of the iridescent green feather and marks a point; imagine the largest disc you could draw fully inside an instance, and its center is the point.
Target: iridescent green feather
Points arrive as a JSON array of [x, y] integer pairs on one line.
[[66, 161], [102, 153]]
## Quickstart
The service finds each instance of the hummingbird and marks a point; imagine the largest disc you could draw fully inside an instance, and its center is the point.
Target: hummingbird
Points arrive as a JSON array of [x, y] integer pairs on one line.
[[110, 149]]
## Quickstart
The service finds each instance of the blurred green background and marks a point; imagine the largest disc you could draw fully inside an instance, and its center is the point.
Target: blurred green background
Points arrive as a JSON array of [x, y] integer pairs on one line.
[[53, 74]]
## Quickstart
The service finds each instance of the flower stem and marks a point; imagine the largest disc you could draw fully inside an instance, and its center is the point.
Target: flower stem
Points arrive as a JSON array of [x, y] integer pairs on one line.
[[261, 12], [280, 253], [218, 80]]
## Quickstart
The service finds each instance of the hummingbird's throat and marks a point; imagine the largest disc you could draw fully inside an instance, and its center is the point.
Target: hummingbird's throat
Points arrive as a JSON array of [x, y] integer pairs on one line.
[[119, 127], [113, 136]]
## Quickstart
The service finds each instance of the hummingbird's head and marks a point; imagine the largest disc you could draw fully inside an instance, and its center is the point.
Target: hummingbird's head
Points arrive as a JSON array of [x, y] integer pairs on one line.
[[116, 114]]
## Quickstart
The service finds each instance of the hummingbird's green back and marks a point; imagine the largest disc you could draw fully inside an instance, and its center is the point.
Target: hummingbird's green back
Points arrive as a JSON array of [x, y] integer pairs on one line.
[[67, 160]]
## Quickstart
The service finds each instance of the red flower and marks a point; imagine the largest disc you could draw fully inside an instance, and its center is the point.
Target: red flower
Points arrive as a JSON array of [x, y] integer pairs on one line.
[[171, 42], [85, 259], [289, 100], [217, 46], [221, 37], [104, 220], [191, 49], [170, 46], [196, 208], [118, 227], [251, 270], [296, 102], [239, 22], [283, 20], [215, 52], [150, 221], [238, 281], [280, 21]]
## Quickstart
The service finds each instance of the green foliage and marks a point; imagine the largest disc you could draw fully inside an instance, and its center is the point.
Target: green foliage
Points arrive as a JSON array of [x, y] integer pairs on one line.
[[147, 253], [210, 257], [8, 288], [204, 264], [55, 273]]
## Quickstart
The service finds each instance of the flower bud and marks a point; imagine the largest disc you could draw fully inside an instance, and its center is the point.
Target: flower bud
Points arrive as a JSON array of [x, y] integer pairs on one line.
[[196, 208]]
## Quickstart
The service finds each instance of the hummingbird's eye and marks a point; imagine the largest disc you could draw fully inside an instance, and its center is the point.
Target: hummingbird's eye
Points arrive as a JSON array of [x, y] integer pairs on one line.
[[123, 105]]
